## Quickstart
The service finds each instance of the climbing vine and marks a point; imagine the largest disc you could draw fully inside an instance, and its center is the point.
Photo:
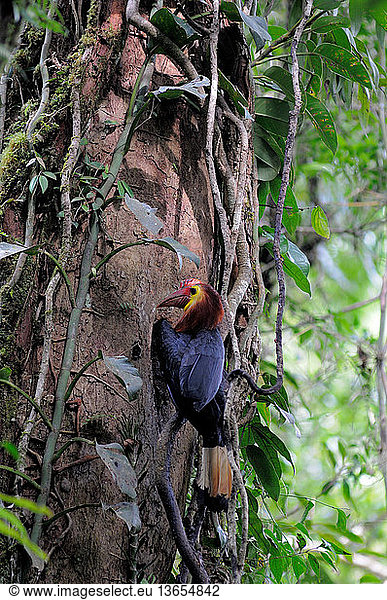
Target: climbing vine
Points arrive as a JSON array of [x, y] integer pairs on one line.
[[252, 101]]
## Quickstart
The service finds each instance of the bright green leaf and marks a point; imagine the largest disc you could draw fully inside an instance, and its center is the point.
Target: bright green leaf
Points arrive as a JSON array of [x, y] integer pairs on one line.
[[320, 222], [344, 63], [272, 114], [328, 23], [323, 121], [265, 471]]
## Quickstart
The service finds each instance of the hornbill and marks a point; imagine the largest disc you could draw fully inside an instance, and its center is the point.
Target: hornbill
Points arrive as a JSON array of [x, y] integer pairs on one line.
[[192, 360]]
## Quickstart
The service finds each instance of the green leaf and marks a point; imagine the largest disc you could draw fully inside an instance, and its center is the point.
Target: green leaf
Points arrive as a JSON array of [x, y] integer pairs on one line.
[[380, 16], [276, 32], [231, 11], [344, 63], [8, 446], [297, 275], [320, 222], [5, 373], [239, 100], [314, 563], [174, 27], [181, 251], [265, 471], [264, 433], [26, 504], [299, 566], [145, 214], [369, 578], [33, 183], [277, 566], [113, 455], [125, 372], [323, 121], [307, 510], [43, 182], [341, 519], [291, 217], [272, 114], [171, 92], [268, 162], [328, 23], [301, 527], [268, 449], [10, 249]]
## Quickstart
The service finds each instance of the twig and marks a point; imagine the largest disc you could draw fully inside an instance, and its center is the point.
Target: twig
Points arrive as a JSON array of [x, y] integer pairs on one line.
[[289, 148], [45, 96], [164, 487]]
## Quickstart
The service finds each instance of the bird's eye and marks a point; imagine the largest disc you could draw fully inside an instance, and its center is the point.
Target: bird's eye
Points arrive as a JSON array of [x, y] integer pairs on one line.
[[193, 291]]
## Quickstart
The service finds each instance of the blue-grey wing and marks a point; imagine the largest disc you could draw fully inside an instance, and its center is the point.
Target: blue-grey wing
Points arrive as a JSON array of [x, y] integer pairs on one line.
[[201, 368]]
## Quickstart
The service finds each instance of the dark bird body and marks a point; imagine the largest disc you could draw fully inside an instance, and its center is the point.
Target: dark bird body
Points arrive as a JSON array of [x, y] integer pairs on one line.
[[192, 361]]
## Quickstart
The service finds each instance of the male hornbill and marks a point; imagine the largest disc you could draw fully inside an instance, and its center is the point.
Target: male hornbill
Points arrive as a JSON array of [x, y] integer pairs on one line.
[[192, 360]]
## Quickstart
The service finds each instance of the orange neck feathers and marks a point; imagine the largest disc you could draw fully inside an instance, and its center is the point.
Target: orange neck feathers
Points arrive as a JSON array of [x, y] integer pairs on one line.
[[201, 303]]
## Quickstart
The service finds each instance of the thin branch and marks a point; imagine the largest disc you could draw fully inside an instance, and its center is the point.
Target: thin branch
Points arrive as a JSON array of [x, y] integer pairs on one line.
[[288, 156]]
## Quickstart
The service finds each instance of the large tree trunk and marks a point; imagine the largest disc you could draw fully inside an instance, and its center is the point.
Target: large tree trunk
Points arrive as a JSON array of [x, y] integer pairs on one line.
[[166, 168]]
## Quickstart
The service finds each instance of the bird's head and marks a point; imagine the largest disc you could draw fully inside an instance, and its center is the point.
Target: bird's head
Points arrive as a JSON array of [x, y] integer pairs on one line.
[[201, 303]]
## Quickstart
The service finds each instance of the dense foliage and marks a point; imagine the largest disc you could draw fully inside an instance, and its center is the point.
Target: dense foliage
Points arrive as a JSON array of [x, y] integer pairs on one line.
[[312, 454]]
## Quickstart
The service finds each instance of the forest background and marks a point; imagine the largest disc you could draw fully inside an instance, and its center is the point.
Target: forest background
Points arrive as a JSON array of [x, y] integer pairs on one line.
[[109, 112]]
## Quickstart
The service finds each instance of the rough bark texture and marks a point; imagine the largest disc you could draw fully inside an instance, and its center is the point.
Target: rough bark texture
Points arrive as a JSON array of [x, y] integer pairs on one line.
[[165, 167]]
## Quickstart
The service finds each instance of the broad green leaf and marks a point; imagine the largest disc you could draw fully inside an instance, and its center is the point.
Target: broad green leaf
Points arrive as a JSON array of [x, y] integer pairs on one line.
[[181, 251], [43, 182], [380, 16], [271, 453], [255, 524], [276, 32], [336, 546], [258, 28], [301, 527], [272, 114], [171, 92], [145, 214], [128, 512], [265, 471], [344, 63], [299, 566], [277, 566], [291, 217], [268, 162], [5, 373], [298, 258], [125, 372], [320, 222], [341, 39], [323, 121], [262, 432], [174, 27], [328, 23], [283, 79], [113, 455], [307, 510], [297, 275], [10, 249]]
